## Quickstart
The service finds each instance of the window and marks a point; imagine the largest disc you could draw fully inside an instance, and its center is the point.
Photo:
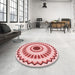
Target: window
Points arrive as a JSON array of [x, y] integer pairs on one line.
[[21, 10], [26, 10], [13, 10], [3, 12]]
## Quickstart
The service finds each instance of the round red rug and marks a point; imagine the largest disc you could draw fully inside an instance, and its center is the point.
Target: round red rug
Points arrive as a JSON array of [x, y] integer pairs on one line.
[[36, 54]]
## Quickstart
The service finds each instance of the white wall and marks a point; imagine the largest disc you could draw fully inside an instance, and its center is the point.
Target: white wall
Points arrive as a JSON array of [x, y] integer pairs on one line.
[[73, 9], [53, 11]]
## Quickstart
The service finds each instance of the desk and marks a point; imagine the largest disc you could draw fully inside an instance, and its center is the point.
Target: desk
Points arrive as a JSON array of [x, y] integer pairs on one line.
[[58, 25], [42, 24]]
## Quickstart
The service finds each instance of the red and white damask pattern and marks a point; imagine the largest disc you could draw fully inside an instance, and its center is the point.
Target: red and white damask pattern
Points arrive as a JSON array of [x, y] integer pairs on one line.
[[36, 54]]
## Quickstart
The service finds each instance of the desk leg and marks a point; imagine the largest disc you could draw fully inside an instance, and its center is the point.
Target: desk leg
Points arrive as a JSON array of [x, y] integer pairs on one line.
[[64, 30], [50, 30]]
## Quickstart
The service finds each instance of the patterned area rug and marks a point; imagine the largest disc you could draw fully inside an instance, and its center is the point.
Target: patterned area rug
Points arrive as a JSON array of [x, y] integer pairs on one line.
[[36, 54]]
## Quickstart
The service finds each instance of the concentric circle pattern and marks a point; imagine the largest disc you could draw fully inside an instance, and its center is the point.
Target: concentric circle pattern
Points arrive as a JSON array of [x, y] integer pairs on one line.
[[36, 54]]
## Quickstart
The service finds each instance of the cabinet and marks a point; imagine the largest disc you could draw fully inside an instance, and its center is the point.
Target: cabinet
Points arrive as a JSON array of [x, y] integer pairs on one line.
[[37, 24]]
